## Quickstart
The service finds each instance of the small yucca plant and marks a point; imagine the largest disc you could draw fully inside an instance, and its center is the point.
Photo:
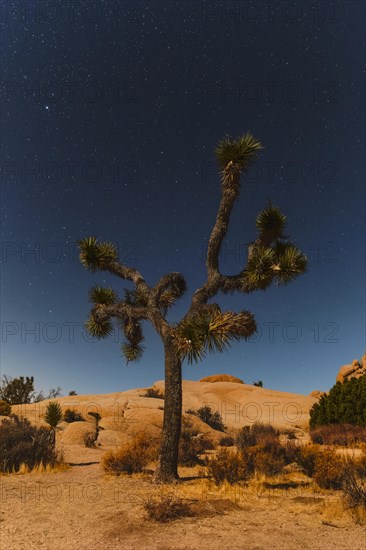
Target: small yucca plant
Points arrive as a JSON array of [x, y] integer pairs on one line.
[[53, 417]]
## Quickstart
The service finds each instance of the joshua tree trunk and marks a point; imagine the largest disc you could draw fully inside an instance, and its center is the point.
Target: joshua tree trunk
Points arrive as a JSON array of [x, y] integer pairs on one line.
[[167, 471]]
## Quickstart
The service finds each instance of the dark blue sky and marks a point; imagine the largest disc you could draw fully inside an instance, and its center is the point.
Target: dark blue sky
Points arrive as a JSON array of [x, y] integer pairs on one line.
[[110, 113]]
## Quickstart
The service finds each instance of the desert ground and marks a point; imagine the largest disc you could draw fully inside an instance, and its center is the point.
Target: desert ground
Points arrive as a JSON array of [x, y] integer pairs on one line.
[[82, 507]]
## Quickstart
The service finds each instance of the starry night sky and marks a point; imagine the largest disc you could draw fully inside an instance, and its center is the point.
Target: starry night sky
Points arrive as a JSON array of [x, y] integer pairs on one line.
[[111, 112]]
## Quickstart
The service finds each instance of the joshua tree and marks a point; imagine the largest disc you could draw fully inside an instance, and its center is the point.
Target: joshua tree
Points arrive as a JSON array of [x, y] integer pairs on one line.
[[53, 417], [204, 328]]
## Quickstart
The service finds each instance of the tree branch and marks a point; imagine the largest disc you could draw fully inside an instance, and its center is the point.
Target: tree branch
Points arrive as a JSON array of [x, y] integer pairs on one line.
[[173, 282], [128, 273], [220, 228]]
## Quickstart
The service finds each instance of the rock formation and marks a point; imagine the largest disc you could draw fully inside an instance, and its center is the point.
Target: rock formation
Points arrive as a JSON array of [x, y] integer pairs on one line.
[[317, 394], [354, 370]]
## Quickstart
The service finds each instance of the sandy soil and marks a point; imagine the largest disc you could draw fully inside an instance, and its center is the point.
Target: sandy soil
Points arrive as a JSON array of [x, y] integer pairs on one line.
[[82, 508]]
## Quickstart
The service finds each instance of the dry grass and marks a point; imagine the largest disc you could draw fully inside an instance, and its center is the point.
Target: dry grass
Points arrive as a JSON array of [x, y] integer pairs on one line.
[[39, 469]]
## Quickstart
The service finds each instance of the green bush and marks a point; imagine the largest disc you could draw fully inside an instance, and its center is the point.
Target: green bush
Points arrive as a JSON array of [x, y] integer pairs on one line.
[[5, 408], [345, 403], [207, 415], [72, 416], [22, 443]]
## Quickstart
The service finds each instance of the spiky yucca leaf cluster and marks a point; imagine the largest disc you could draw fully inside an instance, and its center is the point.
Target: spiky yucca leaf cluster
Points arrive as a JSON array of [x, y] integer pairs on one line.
[[53, 415], [132, 348], [281, 263], [259, 269], [270, 223], [100, 295], [208, 332], [132, 353], [96, 255], [291, 263], [270, 257], [235, 155], [98, 329]]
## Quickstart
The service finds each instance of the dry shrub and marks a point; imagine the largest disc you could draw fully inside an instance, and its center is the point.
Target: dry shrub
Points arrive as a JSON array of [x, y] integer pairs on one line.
[[346, 435], [307, 458], [132, 457], [72, 416], [329, 470], [153, 392], [268, 464], [259, 432], [354, 490], [270, 456], [230, 467], [22, 444], [89, 440], [167, 508], [360, 462], [5, 408], [227, 441], [192, 444]]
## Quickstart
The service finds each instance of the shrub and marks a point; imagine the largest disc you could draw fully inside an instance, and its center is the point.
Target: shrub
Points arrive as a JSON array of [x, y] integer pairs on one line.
[[22, 443], [167, 508], [192, 444], [307, 457], [230, 467], [72, 416], [354, 490], [5, 408], [227, 441], [360, 463], [267, 463], [347, 435], [132, 457], [153, 392], [257, 433], [245, 438], [329, 470], [259, 384], [90, 440], [207, 415], [263, 431], [345, 403]]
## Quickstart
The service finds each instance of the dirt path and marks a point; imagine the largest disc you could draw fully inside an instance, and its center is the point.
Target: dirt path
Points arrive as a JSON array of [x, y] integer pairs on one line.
[[83, 509]]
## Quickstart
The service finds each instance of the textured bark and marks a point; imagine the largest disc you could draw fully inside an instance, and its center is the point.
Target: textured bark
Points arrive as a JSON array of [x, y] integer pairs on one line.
[[167, 471]]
